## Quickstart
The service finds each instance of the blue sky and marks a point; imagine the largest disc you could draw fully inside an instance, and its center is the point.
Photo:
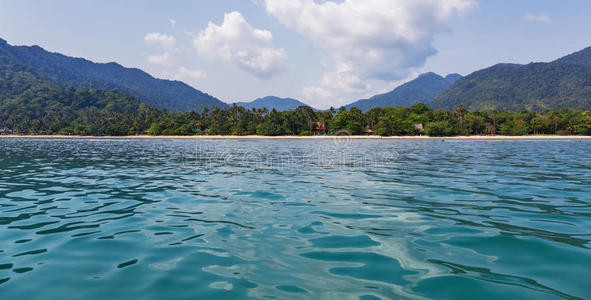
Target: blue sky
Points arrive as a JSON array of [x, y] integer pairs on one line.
[[326, 53]]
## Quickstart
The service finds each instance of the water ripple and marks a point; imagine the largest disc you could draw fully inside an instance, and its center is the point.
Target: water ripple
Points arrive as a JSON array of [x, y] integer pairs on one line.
[[237, 219]]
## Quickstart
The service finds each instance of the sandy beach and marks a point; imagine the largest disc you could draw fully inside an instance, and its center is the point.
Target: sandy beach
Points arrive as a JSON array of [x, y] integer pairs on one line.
[[356, 137]]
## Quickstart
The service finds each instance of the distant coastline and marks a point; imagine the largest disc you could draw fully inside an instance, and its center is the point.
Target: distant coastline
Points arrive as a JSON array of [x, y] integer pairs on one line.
[[322, 137]]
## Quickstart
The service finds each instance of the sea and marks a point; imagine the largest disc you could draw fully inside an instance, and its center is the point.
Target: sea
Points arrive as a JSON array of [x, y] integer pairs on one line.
[[295, 219]]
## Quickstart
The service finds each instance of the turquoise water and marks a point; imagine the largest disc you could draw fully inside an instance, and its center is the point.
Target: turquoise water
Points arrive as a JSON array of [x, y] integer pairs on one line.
[[281, 219]]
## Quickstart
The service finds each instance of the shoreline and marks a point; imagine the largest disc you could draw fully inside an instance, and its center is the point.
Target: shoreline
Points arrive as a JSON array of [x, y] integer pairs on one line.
[[354, 137]]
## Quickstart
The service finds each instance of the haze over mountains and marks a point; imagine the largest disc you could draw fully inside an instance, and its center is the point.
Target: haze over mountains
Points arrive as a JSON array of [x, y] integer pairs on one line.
[[422, 89], [272, 102], [61, 70]]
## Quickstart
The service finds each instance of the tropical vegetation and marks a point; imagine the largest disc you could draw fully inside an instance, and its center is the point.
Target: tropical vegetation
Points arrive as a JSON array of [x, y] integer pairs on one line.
[[57, 110]]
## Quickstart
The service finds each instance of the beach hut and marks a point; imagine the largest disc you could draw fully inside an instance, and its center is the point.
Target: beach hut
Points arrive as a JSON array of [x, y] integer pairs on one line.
[[318, 128]]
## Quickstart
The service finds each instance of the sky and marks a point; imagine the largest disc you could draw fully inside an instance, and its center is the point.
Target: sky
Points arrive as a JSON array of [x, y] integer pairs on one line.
[[322, 52]]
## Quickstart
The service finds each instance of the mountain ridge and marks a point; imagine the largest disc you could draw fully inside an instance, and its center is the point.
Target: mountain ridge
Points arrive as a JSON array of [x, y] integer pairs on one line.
[[561, 83], [421, 89], [273, 102], [67, 71]]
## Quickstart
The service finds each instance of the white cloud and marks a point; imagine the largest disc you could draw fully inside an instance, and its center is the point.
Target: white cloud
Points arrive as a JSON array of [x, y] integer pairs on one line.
[[236, 42], [172, 23], [184, 73], [542, 18], [163, 59], [369, 39], [317, 93], [342, 81], [166, 41]]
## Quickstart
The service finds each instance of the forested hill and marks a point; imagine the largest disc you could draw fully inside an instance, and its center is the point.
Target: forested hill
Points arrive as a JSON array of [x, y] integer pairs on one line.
[[32, 104], [271, 102], [422, 89], [46, 109], [582, 58], [57, 69], [563, 83]]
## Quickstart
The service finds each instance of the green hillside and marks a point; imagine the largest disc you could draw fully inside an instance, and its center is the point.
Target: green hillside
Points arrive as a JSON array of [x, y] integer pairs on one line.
[[65, 71], [563, 83], [422, 89], [32, 105]]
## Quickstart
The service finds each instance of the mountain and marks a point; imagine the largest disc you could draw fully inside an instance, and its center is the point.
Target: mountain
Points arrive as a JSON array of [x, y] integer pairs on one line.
[[422, 89], [61, 70], [453, 77], [46, 109], [271, 102], [563, 83]]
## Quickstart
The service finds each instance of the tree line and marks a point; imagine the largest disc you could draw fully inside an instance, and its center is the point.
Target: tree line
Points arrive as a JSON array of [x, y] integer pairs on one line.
[[48, 109], [417, 119]]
